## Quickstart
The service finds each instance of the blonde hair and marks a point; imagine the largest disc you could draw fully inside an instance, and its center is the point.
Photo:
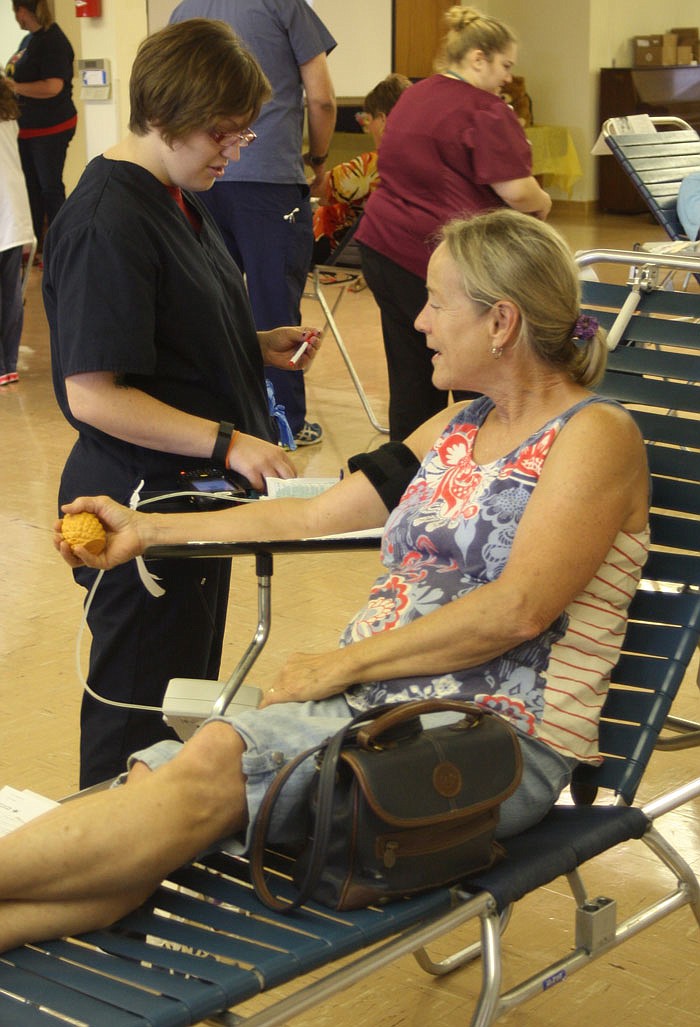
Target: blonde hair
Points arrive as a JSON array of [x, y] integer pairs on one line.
[[506, 255], [469, 29], [39, 8], [191, 75]]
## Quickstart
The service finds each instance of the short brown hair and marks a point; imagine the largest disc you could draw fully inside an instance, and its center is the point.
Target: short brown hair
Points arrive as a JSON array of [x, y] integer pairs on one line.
[[382, 98], [191, 75]]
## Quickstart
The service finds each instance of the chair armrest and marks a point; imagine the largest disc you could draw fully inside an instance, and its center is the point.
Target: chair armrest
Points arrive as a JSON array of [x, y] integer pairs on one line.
[[335, 543]]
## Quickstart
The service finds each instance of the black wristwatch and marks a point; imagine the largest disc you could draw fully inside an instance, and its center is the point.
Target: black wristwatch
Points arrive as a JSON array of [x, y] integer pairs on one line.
[[316, 162], [223, 439]]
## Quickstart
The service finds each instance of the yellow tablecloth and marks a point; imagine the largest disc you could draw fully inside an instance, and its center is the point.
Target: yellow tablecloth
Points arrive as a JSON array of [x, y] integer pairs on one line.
[[554, 156]]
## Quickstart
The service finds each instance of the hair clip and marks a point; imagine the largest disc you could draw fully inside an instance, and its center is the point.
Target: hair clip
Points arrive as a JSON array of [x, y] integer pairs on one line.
[[585, 328]]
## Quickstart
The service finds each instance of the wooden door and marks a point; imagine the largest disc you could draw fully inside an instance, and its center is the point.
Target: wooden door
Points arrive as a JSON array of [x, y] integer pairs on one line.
[[418, 30]]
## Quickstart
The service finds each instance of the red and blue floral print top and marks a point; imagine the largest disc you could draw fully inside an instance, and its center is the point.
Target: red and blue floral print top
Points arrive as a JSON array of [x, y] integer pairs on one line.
[[452, 532]]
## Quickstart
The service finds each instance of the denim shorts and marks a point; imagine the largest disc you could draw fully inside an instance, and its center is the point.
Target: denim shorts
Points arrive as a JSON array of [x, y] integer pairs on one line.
[[275, 735]]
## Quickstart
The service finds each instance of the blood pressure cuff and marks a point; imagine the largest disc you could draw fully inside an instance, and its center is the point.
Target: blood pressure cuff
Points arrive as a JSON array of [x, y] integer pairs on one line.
[[389, 469]]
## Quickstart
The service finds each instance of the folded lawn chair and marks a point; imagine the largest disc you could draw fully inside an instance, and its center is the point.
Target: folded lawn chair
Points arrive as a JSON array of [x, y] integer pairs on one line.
[[656, 164], [203, 944], [340, 272]]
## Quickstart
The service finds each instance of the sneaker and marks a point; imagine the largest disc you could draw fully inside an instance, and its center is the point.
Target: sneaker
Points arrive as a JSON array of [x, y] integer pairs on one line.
[[4, 379], [309, 435], [12, 377]]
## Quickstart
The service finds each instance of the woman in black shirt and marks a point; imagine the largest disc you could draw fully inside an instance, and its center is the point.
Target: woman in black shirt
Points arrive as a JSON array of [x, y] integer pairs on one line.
[[41, 75]]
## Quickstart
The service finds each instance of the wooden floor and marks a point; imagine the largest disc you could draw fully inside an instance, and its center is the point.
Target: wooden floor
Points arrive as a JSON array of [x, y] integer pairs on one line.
[[654, 980]]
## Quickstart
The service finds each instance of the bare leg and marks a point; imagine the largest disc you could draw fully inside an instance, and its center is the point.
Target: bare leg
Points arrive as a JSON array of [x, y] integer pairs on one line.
[[87, 863]]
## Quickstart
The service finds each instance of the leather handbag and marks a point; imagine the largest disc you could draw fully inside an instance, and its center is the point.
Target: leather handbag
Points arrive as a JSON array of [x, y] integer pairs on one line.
[[397, 807]]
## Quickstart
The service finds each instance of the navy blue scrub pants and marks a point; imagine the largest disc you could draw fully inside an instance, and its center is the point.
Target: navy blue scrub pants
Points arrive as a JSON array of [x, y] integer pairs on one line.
[[43, 159], [139, 643], [268, 231]]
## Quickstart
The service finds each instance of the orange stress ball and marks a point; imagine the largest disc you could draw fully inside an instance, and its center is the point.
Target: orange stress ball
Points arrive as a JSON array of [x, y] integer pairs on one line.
[[84, 529]]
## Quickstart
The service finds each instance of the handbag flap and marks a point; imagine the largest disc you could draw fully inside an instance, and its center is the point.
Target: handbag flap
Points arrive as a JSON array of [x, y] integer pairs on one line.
[[443, 773]]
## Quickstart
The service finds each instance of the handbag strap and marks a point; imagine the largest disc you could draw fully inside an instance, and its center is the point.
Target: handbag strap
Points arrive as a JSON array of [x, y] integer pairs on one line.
[[324, 814], [260, 827]]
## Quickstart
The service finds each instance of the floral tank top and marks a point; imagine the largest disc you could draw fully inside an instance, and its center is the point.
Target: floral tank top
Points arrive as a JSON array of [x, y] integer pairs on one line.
[[452, 532]]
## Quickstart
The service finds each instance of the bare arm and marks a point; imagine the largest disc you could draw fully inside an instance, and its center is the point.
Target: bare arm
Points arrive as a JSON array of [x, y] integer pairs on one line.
[[351, 505], [42, 89], [598, 454], [321, 111], [134, 416], [525, 195], [324, 189]]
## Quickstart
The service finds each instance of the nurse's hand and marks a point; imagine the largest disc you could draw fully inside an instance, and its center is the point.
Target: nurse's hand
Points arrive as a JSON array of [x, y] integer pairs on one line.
[[256, 460], [281, 347]]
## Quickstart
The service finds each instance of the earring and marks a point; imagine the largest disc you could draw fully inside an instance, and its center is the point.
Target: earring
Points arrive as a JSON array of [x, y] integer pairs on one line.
[[496, 352]]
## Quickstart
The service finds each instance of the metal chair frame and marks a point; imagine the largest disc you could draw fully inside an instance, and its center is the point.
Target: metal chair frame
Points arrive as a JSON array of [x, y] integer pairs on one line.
[[341, 271]]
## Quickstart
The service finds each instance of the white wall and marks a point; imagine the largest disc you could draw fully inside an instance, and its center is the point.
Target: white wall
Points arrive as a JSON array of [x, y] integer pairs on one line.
[[10, 32], [363, 54]]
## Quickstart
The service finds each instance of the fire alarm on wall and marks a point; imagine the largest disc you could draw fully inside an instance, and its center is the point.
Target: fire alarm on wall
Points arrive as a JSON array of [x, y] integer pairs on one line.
[[88, 8]]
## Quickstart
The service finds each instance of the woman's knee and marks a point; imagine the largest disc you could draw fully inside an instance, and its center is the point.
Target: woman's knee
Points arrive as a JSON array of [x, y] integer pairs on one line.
[[214, 752]]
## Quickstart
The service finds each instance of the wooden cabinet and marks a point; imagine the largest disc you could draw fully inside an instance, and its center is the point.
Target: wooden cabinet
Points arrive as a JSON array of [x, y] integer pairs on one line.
[[653, 91], [419, 28]]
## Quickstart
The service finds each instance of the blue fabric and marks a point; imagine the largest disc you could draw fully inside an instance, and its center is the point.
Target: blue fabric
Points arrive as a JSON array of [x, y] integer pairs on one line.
[[567, 837], [282, 34], [273, 250]]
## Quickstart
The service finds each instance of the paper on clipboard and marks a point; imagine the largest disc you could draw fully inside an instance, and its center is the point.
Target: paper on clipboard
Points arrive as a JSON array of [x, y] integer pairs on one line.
[[627, 125], [18, 806]]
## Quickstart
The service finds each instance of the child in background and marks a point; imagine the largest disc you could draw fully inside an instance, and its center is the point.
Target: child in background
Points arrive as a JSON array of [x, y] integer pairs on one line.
[[15, 232], [346, 186]]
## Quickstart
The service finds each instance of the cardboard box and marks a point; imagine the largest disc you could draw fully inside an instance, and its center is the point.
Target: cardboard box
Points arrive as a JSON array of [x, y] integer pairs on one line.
[[685, 54], [655, 51], [687, 36]]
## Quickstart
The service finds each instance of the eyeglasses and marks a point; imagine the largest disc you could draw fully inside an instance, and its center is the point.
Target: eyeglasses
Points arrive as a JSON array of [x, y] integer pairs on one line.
[[225, 139]]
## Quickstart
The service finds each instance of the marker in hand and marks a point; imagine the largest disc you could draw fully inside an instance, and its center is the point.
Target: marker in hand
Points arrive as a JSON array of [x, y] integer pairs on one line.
[[308, 337]]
